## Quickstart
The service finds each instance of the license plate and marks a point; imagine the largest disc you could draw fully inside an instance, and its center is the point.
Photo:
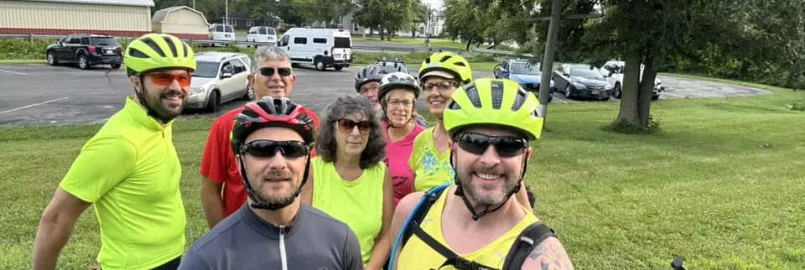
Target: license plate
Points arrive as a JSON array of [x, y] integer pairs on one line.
[[595, 92], [109, 52]]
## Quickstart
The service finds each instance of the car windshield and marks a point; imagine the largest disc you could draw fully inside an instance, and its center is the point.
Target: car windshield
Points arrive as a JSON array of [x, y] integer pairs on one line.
[[525, 68], [206, 70], [103, 41], [585, 73]]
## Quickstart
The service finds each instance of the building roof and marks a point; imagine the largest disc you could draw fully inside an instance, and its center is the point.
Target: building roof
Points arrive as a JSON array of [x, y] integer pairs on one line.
[[160, 15], [139, 3]]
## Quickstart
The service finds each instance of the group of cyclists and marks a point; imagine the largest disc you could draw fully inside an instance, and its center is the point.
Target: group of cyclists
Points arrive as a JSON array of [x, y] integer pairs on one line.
[[370, 185]]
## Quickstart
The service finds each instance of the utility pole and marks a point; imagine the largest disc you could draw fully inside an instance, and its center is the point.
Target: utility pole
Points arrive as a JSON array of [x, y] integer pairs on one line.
[[547, 61], [226, 12], [427, 28], [194, 4], [550, 49]]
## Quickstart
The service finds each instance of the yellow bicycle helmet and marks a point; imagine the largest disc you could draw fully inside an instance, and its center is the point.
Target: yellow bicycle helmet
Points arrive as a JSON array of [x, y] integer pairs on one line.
[[500, 102], [158, 51], [449, 62]]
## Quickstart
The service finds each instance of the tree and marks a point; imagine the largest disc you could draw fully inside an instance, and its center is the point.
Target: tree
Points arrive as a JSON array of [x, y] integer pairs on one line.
[[643, 31]]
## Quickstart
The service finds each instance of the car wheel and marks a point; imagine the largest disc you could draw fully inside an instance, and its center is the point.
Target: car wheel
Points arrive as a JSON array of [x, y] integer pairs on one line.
[[617, 91], [319, 65], [249, 93], [115, 66], [655, 97], [82, 62], [568, 92], [212, 102], [51, 59]]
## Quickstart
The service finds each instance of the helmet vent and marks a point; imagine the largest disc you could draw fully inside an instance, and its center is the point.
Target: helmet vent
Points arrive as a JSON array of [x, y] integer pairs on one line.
[[497, 94], [172, 47], [472, 94], [454, 106], [519, 100], [460, 64], [154, 46], [137, 53], [445, 58], [186, 49]]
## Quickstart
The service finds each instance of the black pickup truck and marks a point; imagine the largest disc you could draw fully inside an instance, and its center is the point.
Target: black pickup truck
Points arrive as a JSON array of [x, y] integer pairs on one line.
[[86, 50]]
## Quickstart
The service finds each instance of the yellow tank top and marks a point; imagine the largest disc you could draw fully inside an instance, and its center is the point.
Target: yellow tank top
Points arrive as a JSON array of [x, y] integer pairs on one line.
[[418, 255], [430, 167], [358, 203]]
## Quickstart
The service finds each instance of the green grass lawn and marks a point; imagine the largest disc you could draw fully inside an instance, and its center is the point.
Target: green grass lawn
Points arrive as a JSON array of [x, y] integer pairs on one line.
[[721, 185]]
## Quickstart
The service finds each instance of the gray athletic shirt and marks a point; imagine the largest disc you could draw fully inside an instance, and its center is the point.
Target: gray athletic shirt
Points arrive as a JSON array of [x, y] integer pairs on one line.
[[245, 241]]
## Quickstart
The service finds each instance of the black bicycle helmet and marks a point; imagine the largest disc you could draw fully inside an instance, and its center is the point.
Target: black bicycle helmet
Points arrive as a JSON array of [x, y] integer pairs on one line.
[[372, 73]]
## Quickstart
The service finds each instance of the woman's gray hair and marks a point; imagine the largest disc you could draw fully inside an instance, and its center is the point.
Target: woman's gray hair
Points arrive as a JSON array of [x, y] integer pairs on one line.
[[327, 147], [269, 53]]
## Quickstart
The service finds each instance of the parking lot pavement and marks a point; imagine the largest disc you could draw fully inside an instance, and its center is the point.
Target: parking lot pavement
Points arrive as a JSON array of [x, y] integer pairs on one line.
[[38, 94]]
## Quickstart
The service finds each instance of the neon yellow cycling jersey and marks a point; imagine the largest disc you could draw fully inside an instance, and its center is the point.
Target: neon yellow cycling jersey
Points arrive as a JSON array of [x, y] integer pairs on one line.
[[130, 172]]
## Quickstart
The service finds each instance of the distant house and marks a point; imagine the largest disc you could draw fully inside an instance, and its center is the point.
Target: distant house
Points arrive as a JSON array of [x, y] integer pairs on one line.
[[243, 20], [182, 21], [124, 18]]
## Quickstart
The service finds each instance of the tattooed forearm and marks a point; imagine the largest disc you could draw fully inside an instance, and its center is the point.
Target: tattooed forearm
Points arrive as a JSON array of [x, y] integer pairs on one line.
[[548, 255]]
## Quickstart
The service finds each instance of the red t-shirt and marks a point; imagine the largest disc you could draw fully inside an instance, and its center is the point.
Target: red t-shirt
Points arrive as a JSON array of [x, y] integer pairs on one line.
[[218, 161]]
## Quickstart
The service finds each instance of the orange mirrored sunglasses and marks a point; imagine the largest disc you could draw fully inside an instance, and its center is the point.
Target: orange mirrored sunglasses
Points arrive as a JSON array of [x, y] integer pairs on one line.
[[166, 79]]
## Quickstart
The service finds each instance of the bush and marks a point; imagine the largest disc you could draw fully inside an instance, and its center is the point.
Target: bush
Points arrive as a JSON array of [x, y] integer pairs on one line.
[[411, 59], [16, 48]]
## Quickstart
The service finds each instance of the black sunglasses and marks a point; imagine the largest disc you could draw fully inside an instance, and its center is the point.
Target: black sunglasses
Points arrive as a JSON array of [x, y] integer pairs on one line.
[[347, 125], [269, 71], [269, 148], [505, 146]]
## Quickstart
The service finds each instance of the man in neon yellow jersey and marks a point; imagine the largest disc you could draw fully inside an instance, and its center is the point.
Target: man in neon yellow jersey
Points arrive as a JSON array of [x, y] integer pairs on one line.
[[129, 171], [491, 123], [440, 75]]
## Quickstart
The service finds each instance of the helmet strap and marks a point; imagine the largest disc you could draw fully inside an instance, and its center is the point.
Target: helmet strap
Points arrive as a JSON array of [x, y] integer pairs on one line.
[[260, 204], [488, 208], [143, 100]]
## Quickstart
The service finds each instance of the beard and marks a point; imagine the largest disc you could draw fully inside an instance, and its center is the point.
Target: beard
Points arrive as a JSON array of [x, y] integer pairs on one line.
[[487, 193], [166, 104], [265, 193]]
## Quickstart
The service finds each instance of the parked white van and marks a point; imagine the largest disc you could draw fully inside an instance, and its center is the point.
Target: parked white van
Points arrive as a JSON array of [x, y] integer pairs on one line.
[[262, 34], [222, 33], [318, 46]]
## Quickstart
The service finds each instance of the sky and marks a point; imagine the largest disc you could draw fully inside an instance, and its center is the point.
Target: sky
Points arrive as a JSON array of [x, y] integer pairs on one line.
[[435, 4]]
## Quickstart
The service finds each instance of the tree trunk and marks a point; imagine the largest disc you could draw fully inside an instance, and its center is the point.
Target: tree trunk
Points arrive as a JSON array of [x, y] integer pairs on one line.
[[469, 43], [629, 117]]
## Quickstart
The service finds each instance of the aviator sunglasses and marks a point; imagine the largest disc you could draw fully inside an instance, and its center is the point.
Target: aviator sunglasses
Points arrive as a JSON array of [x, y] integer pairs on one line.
[[166, 79], [505, 146], [282, 71], [269, 148], [347, 125]]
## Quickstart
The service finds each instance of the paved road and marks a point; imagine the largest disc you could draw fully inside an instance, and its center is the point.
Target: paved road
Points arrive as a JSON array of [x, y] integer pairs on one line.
[[38, 94]]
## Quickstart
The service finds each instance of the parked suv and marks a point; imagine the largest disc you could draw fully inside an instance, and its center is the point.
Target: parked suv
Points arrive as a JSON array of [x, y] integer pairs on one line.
[[219, 77], [85, 49], [614, 70]]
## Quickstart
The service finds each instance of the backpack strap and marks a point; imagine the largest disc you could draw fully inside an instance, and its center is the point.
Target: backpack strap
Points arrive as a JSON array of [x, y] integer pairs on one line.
[[427, 201], [452, 258], [415, 217], [528, 239]]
